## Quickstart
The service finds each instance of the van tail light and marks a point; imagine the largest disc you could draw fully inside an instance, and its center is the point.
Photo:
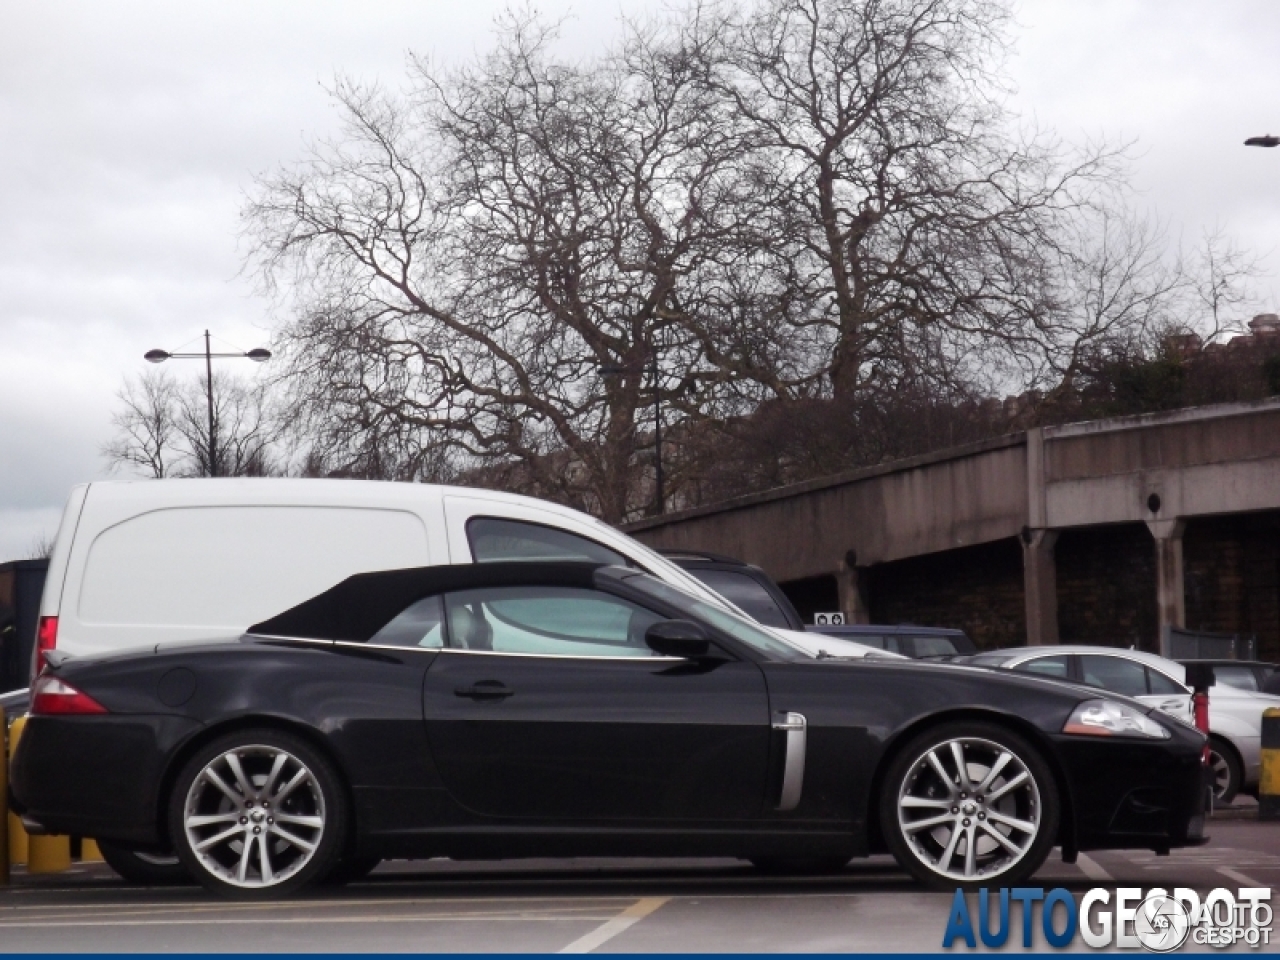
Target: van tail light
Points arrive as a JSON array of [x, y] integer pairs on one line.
[[53, 697], [46, 640]]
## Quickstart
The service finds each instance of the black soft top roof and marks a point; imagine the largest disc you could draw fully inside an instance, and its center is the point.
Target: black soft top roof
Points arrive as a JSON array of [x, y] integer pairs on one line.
[[361, 605]]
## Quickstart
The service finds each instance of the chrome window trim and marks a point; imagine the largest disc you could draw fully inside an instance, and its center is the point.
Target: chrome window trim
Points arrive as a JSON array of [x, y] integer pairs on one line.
[[559, 656]]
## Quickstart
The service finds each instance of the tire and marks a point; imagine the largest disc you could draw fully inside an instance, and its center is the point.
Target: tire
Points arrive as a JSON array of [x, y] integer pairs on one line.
[[923, 784], [145, 868], [799, 866], [1224, 770], [350, 870], [258, 814]]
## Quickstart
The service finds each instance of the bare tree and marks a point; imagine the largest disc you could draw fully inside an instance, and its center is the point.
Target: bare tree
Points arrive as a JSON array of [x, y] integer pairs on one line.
[[146, 430], [163, 428], [467, 263]]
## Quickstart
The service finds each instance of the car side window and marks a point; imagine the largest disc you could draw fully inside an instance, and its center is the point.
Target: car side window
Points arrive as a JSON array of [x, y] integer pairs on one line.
[[1242, 678], [1115, 674], [497, 539], [921, 647], [746, 594], [1162, 686], [562, 621], [421, 624], [1046, 667]]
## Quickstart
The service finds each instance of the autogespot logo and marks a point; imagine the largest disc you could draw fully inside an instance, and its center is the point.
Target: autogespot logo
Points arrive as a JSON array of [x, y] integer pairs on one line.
[[1126, 918]]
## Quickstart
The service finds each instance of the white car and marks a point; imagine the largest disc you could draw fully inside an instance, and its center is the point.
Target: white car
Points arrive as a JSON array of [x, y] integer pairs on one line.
[[1235, 715]]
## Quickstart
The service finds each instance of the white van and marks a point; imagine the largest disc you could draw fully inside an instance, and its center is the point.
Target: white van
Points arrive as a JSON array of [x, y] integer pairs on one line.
[[159, 561]]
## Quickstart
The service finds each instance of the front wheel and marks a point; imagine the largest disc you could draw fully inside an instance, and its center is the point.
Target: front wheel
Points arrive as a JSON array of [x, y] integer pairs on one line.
[[969, 804], [258, 814]]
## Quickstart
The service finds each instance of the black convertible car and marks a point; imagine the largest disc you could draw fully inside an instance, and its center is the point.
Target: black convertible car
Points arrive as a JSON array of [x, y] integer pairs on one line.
[[514, 710]]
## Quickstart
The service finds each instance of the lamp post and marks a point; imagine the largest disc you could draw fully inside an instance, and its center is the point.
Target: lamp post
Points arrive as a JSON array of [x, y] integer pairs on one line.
[[617, 369], [257, 355]]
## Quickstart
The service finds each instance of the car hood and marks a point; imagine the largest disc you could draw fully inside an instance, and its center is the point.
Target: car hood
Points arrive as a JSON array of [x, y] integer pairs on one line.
[[824, 645]]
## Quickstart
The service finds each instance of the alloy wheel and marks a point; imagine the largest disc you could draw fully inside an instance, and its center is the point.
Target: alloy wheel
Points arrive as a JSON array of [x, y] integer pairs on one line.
[[969, 808], [254, 816]]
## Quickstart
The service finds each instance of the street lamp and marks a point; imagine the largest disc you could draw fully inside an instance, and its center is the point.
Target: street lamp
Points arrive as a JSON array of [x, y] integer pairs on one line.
[[257, 355], [1267, 141], [617, 369]]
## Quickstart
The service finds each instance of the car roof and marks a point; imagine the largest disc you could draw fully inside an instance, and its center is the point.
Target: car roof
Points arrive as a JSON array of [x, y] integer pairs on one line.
[[1141, 656], [358, 607], [1228, 662], [902, 629]]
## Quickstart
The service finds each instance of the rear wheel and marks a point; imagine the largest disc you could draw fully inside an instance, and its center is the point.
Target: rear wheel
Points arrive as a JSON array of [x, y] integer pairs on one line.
[[1225, 772], [258, 814], [146, 868], [969, 804]]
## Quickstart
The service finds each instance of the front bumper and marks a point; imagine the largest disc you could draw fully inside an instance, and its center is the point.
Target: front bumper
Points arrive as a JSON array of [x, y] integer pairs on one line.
[[1136, 794]]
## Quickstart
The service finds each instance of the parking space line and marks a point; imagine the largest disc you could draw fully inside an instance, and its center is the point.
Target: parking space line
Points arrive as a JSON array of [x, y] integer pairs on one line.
[[1239, 877], [611, 928], [1092, 869], [221, 921]]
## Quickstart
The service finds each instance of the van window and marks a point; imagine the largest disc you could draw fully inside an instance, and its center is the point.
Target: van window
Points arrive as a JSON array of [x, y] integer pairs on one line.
[[921, 647], [495, 539], [227, 567], [1242, 678]]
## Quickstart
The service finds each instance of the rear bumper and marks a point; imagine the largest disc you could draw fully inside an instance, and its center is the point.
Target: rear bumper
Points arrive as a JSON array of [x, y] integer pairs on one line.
[[1136, 794], [97, 776]]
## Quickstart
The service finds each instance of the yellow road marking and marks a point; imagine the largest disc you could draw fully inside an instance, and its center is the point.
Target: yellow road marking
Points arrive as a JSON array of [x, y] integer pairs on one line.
[[611, 928]]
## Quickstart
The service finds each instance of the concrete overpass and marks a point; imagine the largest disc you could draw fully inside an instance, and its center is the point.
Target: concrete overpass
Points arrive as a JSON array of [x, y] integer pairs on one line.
[[1119, 502]]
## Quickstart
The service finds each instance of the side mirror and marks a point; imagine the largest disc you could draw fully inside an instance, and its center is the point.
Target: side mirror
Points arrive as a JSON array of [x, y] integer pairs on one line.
[[678, 638]]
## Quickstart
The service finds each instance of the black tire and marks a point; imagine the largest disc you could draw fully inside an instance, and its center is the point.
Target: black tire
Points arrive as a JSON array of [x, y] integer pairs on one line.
[[1225, 772], [145, 868], [962, 816], [350, 870], [245, 854], [799, 866]]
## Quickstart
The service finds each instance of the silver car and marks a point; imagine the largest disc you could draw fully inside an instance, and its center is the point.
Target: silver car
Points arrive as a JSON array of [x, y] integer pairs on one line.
[[1235, 715]]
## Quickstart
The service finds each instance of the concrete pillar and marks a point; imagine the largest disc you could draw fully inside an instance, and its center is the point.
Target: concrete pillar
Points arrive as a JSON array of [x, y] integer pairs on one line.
[[1040, 585], [853, 601], [1171, 598]]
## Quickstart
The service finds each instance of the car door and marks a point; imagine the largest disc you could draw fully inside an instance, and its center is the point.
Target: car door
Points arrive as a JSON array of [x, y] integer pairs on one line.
[[548, 705]]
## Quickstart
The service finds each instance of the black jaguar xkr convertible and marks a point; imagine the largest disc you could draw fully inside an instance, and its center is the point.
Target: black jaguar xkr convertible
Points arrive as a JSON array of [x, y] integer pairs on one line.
[[570, 709]]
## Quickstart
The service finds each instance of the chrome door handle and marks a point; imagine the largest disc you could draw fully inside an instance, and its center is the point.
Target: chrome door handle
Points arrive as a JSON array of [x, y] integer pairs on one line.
[[485, 690], [796, 728]]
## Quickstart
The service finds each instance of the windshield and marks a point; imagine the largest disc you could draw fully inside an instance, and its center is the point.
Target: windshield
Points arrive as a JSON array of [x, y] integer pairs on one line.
[[746, 594], [737, 626]]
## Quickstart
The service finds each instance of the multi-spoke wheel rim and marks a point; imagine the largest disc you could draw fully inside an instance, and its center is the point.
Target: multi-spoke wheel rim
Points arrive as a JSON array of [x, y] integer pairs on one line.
[[1221, 773], [969, 808], [254, 816]]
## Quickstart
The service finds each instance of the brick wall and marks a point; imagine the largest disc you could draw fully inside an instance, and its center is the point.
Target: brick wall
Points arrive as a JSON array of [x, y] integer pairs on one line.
[[1107, 586], [1232, 567], [978, 589]]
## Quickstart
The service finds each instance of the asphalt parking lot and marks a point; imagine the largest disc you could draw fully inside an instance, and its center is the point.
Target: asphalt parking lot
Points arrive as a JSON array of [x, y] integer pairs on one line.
[[578, 906]]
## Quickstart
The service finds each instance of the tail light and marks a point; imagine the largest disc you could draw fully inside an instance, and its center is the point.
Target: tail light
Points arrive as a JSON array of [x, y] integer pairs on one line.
[[51, 696], [46, 640]]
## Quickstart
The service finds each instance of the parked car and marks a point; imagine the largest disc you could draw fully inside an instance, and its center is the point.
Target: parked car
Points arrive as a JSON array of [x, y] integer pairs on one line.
[[1235, 715], [565, 709], [1257, 676], [918, 643], [166, 561], [746, 586]]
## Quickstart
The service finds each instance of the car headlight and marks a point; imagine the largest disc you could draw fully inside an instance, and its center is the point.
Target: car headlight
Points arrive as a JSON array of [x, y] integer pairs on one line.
[[1106, 718]]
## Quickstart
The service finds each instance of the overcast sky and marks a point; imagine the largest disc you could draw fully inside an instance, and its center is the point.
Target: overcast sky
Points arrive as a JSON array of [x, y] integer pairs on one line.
[[130, 132]]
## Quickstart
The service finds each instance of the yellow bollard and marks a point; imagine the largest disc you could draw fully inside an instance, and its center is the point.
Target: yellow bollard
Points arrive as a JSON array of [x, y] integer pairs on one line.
[[4, 799], [17, 835], [89, 852], [1269, 784], [49, 854]]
